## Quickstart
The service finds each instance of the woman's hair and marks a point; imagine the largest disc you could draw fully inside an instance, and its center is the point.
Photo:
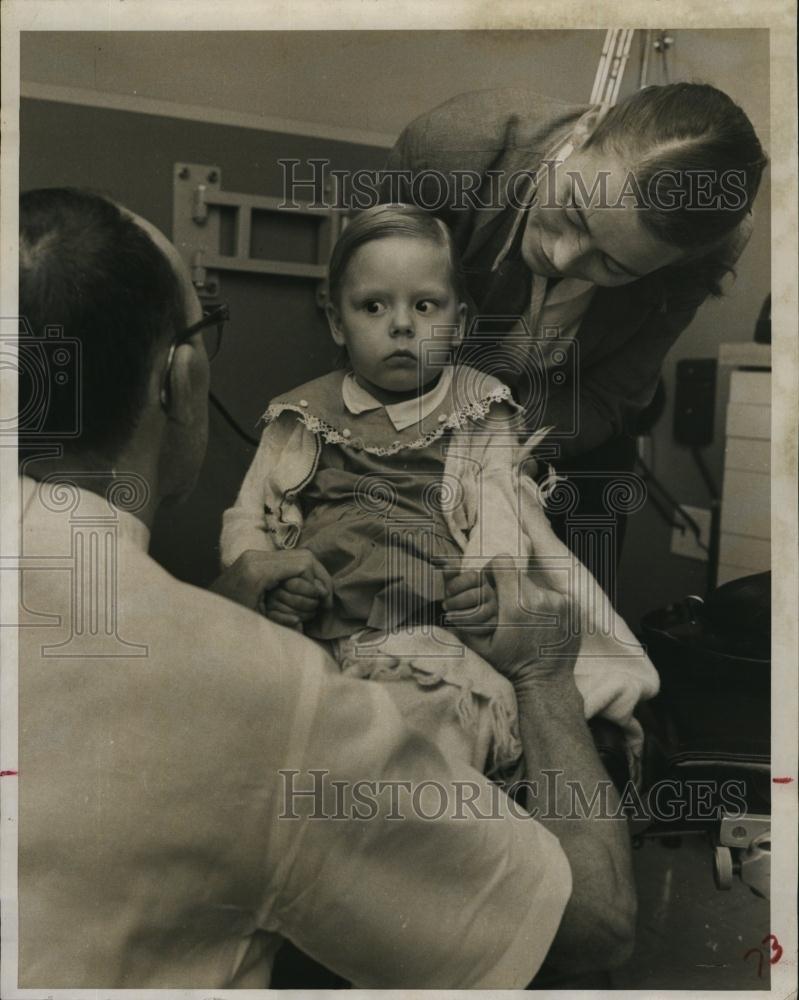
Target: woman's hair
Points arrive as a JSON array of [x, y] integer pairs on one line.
[[697, 161], [382, 222]]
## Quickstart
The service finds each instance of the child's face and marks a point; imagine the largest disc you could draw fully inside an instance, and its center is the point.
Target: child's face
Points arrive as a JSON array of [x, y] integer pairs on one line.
[[396, 292]]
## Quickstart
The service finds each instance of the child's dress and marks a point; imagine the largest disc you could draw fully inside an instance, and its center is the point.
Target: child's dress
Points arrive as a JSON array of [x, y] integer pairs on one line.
[[376, 524], [390, 498]]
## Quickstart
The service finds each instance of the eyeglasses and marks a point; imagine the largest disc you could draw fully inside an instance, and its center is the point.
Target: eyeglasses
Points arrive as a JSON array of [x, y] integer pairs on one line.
[[212, 326]]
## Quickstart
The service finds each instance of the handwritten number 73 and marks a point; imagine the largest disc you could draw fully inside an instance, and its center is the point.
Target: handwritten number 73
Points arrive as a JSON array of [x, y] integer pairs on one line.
[[776, 953]]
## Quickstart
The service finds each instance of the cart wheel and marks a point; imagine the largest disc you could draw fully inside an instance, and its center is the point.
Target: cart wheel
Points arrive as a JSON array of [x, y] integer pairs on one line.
[[722, 868]]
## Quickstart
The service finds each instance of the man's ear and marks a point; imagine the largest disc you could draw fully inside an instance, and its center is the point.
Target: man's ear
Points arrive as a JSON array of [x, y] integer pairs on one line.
[[334, 322], [182, 393]]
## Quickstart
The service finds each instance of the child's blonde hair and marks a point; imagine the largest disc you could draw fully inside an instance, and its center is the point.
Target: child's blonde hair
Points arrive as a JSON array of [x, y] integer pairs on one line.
[[381, 222]]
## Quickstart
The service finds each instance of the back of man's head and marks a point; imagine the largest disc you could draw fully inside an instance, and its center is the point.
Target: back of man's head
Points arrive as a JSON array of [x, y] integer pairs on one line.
[[88, 269]]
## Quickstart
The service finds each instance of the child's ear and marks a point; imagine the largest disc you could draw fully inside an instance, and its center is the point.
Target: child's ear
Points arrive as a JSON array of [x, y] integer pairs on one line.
[[334, 322]]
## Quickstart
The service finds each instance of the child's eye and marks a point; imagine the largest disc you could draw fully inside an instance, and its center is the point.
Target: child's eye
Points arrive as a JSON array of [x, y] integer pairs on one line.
[[426, 305], [374, 308]]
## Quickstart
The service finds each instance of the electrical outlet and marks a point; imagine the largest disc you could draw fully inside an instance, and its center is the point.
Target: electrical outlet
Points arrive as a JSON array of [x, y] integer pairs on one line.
[[683, 539], [695, 401]]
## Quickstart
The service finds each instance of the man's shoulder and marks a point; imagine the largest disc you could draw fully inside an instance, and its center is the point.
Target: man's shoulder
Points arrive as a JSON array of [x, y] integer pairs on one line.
[[491, 120], [235, 637]]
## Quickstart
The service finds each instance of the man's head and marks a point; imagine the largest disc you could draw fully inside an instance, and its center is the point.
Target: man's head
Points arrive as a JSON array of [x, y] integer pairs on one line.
[[663, 179], [111, 281]]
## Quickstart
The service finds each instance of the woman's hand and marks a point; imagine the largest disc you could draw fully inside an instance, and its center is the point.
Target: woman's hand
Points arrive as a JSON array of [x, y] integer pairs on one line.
[[533, 639], [255, 576]]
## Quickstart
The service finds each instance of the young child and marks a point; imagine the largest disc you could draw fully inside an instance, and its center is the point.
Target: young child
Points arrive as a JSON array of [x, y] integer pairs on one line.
[[402, 474]]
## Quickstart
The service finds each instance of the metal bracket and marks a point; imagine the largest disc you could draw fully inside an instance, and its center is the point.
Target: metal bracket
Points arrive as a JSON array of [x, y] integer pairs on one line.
[[197, 200]]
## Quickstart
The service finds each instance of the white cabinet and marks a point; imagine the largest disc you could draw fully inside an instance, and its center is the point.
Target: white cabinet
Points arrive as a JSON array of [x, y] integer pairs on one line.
[[745, 542]]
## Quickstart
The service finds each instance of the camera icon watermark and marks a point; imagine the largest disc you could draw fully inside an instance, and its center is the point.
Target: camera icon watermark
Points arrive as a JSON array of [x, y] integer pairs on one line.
[[48, 371], [539, 370]]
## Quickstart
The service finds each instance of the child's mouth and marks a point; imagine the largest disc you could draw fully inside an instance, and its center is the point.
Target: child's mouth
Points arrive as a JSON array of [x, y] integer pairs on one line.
[[402, 356]]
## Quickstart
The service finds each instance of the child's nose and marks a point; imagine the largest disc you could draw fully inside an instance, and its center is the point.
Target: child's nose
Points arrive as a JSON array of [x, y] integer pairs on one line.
[[402, 322]]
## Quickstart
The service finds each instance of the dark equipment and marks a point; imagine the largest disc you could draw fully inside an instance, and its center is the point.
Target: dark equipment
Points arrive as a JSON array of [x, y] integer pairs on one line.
[[711, 720]]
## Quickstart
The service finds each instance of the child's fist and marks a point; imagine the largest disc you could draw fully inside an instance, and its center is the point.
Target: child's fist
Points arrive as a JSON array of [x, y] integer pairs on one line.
[[295, 601], [471, 602]]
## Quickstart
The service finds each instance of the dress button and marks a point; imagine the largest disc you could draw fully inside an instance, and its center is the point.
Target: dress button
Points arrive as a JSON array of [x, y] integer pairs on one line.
[[442, 417], [346, 432], [303, 402]]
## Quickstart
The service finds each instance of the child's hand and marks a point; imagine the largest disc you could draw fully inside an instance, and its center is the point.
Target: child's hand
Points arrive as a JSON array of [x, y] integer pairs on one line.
[[255, 575], [471, 602], [295, 601]]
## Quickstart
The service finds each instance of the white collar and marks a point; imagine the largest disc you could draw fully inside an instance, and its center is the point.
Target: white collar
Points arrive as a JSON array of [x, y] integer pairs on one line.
[[402, 415], [45, 498]]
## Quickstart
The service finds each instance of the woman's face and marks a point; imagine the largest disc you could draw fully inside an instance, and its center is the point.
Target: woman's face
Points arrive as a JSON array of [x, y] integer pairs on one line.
[[585, 224]]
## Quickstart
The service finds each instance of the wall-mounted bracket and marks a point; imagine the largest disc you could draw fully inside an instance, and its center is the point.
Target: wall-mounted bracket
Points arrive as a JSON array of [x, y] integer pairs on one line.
[[198, 200]]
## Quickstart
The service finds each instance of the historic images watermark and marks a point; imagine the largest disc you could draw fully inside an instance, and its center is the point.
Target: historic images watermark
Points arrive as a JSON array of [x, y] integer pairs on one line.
[[465, 493], [315, 794], [314, 182], [49, 420], [50, 379]]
